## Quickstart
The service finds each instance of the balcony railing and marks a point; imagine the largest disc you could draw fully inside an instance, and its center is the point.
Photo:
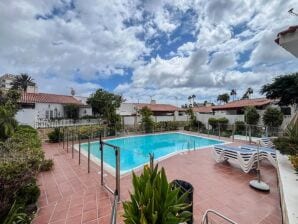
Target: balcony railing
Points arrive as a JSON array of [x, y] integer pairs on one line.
[[46, 123]]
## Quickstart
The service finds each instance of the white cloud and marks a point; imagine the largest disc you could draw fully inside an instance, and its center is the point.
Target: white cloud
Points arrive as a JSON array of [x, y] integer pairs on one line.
[[233, 45]]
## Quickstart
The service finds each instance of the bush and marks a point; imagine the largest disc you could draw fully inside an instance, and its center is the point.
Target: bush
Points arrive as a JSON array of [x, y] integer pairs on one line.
[[17, 215], [239, 127], [46, 165], [21, 158], [155, 200], [251, 115], [294, 161], [28, 194], [272, 117], [288, 144], [213, 122], [55, 136]]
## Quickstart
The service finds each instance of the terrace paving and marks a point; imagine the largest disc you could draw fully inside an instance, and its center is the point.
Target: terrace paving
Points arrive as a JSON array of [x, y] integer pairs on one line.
[[70, 195]]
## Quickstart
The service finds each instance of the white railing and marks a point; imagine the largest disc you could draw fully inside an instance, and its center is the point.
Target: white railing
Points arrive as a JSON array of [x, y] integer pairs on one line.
[[45, 123]]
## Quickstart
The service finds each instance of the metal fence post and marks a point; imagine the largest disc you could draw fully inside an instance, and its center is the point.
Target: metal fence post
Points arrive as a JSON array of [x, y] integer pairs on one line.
[[249, 133], [117, 153], [72, 144], [88, 154], [67, 140], [101, 160], [63, 139], [79, 137], [234, 129], [208, 129], [151, 161]]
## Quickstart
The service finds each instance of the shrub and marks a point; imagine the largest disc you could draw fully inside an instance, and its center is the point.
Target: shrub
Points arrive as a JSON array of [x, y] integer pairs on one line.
[[147, 122], [46, 165], [55, 136], [239, 127], [155, 200], [223, 123], [251, 115], [294, 161], [272, 117], [213, 122], [21, 158], [29, 193], [16, 215]]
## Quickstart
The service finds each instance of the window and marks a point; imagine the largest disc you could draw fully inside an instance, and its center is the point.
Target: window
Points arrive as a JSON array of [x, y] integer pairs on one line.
[[47, 114], [51, 114]]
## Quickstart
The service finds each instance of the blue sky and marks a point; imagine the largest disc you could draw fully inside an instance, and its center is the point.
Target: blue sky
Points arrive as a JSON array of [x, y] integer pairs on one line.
[[160, 48]]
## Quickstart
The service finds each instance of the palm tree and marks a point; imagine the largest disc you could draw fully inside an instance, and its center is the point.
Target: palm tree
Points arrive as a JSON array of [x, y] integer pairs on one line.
[[233, 93], [193, 98], [250, 92], [223, 98], [189, 100], [22, 82], [7, 123]]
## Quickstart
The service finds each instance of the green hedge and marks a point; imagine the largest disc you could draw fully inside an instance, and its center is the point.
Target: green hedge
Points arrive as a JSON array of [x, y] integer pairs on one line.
[[21, 160]]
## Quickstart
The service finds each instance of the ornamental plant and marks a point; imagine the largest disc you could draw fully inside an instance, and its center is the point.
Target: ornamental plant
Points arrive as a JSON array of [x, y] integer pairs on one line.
[[155, 200]]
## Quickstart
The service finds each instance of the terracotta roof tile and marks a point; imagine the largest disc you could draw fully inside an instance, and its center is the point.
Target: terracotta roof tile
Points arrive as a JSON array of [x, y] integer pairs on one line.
[[243, 103], [203, 109], [158, 107], [291, 29], [48, 98]]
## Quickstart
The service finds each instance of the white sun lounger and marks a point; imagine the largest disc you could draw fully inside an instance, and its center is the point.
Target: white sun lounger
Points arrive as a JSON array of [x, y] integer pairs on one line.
[[246, 158], [265, 153], [266, 142]]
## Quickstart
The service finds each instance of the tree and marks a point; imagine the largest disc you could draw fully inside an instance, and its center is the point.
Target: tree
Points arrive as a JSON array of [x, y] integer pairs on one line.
[[189, 100], [8, 123], [22, 82], [147, 122], [284, 88], [104, 102], [251, 115], [193, 124], [248, 93], [223, 98], [272, 117], [71, 111], [233, 93]]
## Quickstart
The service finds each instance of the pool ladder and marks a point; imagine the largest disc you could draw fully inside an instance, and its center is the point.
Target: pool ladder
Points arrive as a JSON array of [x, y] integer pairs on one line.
[[188, 145], [207, 220]]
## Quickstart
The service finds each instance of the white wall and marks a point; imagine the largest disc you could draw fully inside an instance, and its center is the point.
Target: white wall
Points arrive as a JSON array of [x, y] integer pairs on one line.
[[85, 111], [41, 109], [232, 118], [26, 116], [126, 109]]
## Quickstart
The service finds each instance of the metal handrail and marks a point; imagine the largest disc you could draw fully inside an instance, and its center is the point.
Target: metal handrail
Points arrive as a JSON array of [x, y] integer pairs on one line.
[[114, 209], [205, 219], [117, 155]]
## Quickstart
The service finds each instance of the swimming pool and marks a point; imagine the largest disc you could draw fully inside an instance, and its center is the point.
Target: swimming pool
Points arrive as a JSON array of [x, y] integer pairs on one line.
[[135, 150]]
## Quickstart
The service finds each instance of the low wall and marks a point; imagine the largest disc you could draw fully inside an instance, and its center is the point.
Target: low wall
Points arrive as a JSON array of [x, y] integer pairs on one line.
[[288, 185], [232, 118]]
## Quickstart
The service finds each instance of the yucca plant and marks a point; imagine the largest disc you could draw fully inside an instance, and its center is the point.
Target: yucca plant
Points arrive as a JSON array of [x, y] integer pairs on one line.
[[155, 200]]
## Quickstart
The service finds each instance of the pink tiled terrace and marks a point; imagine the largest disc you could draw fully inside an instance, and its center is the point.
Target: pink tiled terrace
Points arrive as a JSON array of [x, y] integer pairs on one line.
[[70, 195]]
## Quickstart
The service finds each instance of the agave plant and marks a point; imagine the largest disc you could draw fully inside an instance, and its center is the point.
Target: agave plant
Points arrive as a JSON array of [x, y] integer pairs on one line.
[[155, 200]]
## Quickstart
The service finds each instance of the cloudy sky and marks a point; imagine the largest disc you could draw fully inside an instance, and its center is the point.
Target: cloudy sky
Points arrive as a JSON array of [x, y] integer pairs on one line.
[[165, 49]]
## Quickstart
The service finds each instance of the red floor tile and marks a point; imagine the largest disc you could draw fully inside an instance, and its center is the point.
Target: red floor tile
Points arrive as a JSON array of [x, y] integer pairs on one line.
[[70, 195]]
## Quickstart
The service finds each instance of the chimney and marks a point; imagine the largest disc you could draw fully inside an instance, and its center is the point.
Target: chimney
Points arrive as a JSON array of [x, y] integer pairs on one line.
[[153, 102]]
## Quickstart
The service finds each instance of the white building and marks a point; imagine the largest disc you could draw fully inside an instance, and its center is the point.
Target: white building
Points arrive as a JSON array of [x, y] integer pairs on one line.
[[7, 80], [37, 107], [161, 112], [234, 110]]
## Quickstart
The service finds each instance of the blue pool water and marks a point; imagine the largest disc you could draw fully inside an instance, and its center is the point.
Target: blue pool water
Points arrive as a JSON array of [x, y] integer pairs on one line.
[[135, 149]]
